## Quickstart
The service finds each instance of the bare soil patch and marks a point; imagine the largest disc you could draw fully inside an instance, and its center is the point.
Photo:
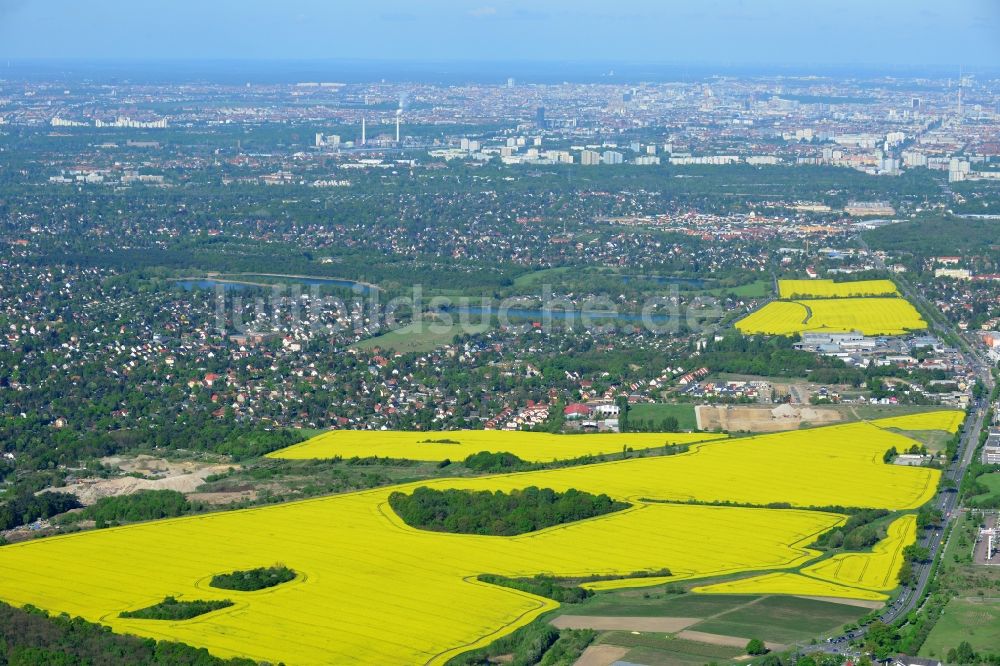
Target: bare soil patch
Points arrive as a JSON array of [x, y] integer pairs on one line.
[[158, 474], [728, 641], [751, 418], [601, 655]]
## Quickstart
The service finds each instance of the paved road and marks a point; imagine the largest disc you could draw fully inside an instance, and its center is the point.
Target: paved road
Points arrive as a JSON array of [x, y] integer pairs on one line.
[[946, 500], [930, 539]]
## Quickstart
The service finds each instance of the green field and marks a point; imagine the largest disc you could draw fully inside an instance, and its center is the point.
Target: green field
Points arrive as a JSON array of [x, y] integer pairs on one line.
[[779, 618], [991, 481], [416, 337], [652, 657], [934, 440], [755, 289], [535, 278], [973, 620], [782, 619], [959, 545], [653, 414], [870, 412], [653, 603], [662, 650]]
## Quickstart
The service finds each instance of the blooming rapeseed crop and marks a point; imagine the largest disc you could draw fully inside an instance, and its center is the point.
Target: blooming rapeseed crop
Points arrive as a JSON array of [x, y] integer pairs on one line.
[[945, 419], [459, 444], [871, 316], [829, 289], [374, 590], [876, 570], [788, 583]]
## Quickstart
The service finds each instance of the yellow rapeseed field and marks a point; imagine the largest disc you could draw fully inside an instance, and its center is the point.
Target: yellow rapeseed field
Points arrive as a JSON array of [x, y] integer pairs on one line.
[[871, 316], [945, 419], [776, 318], [373, 590], [833, 466], [851, 575], [876, 570], [793, 289], [530, 446], [789, 583]]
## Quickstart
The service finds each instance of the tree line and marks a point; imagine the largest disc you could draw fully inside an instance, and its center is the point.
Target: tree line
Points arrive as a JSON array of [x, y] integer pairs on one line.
[[26, 508], [172, 608], [30, 636], [143, 505]]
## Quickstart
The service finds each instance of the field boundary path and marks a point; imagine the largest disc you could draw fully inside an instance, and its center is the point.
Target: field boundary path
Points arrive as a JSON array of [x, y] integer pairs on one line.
[[727, 641], [670, 625], [809, 312]]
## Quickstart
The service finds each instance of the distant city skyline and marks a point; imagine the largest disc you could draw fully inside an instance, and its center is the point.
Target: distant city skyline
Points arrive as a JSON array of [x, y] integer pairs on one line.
[[740, 33]]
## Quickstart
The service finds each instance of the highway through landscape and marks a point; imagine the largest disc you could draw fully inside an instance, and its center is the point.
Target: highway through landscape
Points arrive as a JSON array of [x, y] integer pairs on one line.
[[946, 499]]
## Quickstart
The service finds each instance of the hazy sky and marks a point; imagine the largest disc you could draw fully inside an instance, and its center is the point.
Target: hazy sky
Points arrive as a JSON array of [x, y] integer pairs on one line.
[[891, 32]]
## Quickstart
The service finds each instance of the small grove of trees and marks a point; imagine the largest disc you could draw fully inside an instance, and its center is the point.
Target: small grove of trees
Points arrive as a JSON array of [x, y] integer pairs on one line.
[[912, 554], [666, 424], [542, 586], [30, 636], [881, 640], [487, 461], [774, 356], [253, 579], [27, 508], [756, 647], [929, 516], [143, 505], [535, 643], [172, 609], [915, 450], [906, 576], [497, 513], [963, 654], [857, 533], [915, 553], [977, 494]]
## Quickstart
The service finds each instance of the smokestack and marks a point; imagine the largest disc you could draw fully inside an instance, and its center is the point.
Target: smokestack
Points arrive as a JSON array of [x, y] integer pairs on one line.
[[362, 130], [399, 112]]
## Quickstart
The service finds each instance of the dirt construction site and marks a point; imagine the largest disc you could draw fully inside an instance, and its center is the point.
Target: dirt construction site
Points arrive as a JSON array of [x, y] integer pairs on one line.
[[762, 418], [144, 473]]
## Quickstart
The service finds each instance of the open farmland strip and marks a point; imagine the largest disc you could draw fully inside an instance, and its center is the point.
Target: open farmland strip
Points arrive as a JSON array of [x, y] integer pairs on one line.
[[752, 470], [529, 446], [789, 583]]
